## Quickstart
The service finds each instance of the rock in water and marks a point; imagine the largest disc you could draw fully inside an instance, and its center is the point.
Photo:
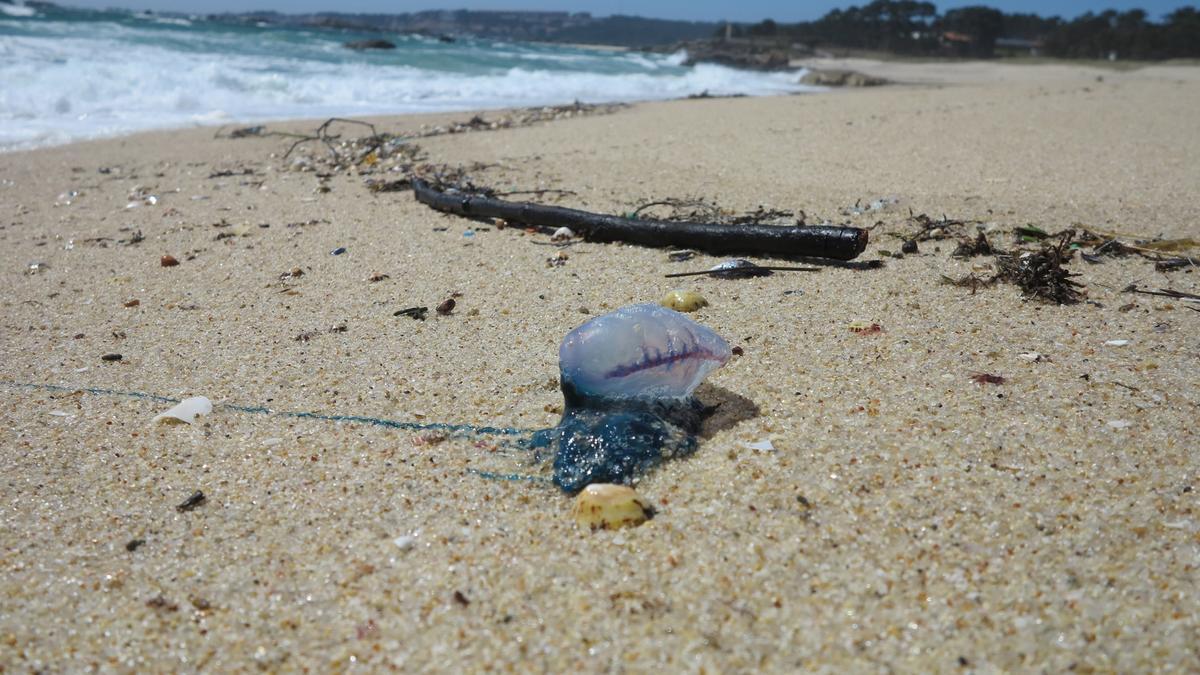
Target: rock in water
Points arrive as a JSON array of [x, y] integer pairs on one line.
[[627, 381], [840, 78], [369, 44]]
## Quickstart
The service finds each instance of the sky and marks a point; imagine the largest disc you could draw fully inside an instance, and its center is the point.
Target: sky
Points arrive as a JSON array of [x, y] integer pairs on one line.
[[691, 10]]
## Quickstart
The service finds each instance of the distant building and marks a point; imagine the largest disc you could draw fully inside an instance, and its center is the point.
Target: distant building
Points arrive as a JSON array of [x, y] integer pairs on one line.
[[956, 44]]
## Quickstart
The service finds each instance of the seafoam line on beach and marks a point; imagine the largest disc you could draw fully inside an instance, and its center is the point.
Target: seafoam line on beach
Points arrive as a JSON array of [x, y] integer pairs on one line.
[[453, 429]]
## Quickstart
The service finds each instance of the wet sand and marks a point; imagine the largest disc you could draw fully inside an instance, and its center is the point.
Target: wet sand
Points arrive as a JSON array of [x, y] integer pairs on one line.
[[906, 518]]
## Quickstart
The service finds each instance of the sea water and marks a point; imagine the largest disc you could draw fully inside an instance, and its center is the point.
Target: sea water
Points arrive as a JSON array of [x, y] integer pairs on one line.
[[68, 74]]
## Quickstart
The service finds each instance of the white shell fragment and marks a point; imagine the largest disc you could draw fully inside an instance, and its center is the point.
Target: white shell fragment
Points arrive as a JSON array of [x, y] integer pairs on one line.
[[186, 411], [562, 234], [604, 506], [1117, 343], [683, 301]]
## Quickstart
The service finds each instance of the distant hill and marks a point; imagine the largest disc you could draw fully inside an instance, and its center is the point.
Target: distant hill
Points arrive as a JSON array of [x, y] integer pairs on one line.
[[577, 27]]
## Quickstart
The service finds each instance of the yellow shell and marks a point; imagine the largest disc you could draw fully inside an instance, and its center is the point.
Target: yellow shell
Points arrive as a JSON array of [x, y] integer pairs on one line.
[[683, 301], [604, 506]]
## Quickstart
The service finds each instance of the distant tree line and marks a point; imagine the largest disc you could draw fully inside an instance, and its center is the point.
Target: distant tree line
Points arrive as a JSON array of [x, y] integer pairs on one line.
[[916, 28]]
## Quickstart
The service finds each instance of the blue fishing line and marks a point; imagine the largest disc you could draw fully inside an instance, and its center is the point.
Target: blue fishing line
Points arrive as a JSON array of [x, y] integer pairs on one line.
[[492, 475], [459, 429], [456, 430]]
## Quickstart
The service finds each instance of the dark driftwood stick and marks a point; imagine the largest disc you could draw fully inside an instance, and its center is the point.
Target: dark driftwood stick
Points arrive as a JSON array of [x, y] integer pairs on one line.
[[841, 243]]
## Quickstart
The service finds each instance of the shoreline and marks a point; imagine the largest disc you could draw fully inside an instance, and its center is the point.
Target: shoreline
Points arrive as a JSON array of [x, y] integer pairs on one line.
[[897, 73], [986, 480]]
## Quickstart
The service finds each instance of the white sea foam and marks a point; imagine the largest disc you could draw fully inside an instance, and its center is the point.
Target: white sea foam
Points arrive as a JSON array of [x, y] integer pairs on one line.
[[17, 10], [78, 80]]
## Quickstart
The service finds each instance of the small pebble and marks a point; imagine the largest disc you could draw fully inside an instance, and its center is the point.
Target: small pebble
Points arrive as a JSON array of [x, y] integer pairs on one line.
[[562, 234], [405, 542], [133, 303], [168, 261], [446, 307], [1117, 343], [111, 357], [338, 251], [909, 246], [604, 506], [683, 301]]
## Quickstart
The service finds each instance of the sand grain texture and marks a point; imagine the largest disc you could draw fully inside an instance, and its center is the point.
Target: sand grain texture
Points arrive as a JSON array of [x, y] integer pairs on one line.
[[908, 518]]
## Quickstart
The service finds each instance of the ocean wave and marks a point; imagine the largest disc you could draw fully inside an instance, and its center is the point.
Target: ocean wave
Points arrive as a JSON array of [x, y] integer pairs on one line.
[[76, 80]]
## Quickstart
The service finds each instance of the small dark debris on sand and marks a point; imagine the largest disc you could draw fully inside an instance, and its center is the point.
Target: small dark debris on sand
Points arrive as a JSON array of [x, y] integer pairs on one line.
[[159, 602], [192, 503], [1172, 264], [417, 313], [988, 378], [310, 334]]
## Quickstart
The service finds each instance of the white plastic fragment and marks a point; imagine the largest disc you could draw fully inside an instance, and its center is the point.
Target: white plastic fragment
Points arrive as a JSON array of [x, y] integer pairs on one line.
[[1119, 424], [1117, 343], [1032, 357], [186, 411], [764, 445]]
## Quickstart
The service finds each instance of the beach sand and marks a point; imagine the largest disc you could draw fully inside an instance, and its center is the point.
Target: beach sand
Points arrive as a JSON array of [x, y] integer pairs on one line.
[[907, 517]]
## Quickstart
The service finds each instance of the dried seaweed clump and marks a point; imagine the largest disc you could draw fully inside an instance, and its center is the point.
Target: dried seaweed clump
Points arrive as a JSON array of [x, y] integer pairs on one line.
[[1041, 274], [968, 248], [520, 118], [377, 153], [701, 210], [935, 230]]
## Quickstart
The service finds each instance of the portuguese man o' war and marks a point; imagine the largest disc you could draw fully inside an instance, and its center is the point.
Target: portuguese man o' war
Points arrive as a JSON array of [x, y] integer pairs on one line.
[[627, 381]]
